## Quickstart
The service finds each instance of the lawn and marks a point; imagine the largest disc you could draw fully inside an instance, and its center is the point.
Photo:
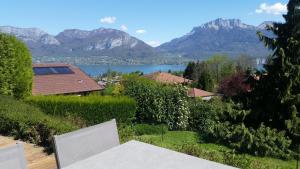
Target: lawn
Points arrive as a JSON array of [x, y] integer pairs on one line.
[[190, 143]]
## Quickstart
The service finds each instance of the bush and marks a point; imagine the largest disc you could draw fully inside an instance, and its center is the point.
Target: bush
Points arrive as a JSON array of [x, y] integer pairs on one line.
[[158, 103], [147, 129], [263, 141], [202, 117], [15, 67], [222, 122], [28, 123], [91, 109]]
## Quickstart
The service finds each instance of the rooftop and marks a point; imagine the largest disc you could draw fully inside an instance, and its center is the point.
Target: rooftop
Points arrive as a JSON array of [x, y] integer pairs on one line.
[[167, 78], [50, 79], [194, 92]]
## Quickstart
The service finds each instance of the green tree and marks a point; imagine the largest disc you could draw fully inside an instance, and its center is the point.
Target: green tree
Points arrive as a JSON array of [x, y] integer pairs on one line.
[[207, 74], [275, 99], [206, 81], [15, 67]]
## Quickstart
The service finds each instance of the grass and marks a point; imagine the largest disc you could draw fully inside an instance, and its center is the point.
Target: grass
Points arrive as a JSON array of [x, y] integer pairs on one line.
[[174, 139]]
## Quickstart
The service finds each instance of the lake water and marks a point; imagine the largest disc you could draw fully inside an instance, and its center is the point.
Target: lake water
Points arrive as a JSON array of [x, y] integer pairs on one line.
[[95, 70]]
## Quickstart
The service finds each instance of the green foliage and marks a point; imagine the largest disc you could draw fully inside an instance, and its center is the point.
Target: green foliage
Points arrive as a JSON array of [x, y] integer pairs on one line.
[[189, 143], [222, 122], [113, 90], [228, 157], [30, 124], [126, 132], [147, 129], [274, 99], [262, 142], [15, 67], [202, 117], [209, 73], [206, 81], [158, 103], [92, 109]]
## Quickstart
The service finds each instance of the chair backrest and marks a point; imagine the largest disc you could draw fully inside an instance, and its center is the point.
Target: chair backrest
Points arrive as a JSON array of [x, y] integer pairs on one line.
[[13, 157], [84, 143]]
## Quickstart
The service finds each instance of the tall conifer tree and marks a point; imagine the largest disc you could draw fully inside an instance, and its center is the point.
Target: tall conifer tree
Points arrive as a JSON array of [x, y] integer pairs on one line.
[[275, 98]]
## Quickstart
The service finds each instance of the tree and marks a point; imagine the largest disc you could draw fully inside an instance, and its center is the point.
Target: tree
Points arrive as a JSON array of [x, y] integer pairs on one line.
[[15, 67], [206, 81], [234, 86], [189, 70], [275, 99], [244, 62], [207, 74]]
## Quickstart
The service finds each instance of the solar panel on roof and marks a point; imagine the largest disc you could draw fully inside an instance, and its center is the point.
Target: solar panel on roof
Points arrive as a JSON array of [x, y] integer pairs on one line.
[[52, 70]]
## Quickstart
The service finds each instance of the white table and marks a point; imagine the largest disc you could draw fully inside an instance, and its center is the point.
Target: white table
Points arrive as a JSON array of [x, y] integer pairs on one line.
[[138, 155]]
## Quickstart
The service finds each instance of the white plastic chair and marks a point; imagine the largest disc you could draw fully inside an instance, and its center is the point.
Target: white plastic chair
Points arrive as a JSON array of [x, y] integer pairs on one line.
[[81, 144], [13, 157]]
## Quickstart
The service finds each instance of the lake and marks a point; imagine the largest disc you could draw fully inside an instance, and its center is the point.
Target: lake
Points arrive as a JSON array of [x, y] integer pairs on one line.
[[94, 70]]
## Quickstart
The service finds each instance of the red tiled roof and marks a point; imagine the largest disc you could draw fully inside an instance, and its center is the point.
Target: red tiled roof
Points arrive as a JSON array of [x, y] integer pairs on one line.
[[167, 78], [194, 92], [76, 82]]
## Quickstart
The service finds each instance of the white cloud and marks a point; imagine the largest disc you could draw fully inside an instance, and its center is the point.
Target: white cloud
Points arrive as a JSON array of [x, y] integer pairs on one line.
[[124, 28], [275, 9], [154, 43], [108, 20], [140, 31]]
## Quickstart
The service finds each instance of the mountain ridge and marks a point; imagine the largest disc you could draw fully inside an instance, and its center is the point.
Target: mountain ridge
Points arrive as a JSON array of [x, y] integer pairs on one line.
[[221, 36], [107, 45]]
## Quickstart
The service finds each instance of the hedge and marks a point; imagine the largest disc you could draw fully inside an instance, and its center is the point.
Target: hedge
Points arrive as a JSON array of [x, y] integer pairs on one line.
[[158, 103], [28, 123], [91, 109], [15, 67]]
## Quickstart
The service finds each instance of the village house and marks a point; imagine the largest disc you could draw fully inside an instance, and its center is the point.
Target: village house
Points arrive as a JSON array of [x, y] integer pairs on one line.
[[167, 78], [56, 79]]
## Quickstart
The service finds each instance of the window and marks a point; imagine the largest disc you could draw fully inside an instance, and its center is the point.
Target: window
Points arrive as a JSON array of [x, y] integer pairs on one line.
[[52, 70]]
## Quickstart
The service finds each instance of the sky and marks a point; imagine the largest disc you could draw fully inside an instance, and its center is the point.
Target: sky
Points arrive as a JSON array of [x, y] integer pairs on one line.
[[153, 21]]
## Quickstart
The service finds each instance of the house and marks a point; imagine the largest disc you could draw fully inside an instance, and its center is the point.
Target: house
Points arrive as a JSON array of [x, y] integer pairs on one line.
[[205, 95], [167, 78], [53, 79]]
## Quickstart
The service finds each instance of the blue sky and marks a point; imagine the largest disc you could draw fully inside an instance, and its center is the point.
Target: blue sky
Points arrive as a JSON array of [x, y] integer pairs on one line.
[[154, 21]]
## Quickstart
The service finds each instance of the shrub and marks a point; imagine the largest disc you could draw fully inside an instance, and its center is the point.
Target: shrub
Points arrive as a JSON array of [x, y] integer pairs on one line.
[[263, 141], [30, 124], [15, 67], [222, 122], [147, 129], [91, 109], [234, 85], [158, 103], [202, 117]]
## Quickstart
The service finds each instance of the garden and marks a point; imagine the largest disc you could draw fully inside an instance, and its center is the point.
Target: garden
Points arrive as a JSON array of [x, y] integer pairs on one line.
[[253, 124]]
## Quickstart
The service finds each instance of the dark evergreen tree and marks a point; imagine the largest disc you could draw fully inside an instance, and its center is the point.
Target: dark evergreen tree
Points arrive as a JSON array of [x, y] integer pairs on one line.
[[275, 99], [189, 70]]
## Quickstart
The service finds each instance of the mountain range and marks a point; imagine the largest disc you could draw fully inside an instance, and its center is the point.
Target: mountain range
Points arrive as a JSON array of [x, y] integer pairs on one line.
[[111, 46], [221, 36]]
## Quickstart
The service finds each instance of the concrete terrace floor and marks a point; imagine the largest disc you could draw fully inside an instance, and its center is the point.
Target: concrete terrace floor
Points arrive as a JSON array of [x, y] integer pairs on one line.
[[36, 158]]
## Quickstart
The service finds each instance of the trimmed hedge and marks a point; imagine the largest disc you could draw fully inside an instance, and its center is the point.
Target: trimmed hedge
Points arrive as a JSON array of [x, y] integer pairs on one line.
[[91, 109], [28, 123], [15, 67]]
